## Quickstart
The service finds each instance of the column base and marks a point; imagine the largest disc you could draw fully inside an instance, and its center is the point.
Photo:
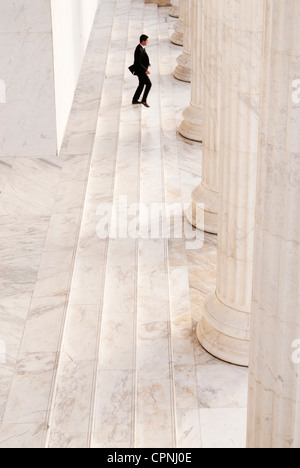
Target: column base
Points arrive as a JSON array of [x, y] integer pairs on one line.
[[177, 36], [192, 125], [174, 12], [203, 210], [183, 71], [224, 332]]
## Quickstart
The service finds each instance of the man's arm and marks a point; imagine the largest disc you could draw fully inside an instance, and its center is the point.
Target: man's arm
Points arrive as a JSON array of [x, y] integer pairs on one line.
[[138, 59]]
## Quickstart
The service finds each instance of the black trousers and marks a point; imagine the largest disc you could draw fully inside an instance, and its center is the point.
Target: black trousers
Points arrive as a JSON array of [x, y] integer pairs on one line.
[[144, 80]]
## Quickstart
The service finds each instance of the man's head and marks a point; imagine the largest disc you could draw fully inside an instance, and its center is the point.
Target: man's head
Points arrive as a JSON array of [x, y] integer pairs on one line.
[[144, 40]]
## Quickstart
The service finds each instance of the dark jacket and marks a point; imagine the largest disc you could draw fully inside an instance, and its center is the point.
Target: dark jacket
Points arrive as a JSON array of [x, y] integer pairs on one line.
[[141, 60]]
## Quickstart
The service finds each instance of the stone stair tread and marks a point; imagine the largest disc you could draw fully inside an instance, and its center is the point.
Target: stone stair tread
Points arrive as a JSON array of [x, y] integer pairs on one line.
[[126, 370], [78, 362]]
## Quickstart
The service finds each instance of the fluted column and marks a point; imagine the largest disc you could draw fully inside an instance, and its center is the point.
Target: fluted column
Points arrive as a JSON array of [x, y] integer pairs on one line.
[[177, 36], [274, 384], [174, 11], [206, 195], [192, 125], [224, 327], [184, 68]]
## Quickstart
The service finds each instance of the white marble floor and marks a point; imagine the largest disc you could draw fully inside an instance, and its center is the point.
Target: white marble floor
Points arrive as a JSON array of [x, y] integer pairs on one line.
[[98, 335]]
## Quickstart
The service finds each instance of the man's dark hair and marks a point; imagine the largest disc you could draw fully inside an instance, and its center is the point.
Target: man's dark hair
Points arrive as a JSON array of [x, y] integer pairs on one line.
[[143, 38]]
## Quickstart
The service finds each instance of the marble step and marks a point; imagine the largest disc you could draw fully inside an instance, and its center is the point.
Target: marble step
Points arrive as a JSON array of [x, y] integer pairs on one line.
[[186, 411], [49, 211], [154, 393], [114, 404], [107, 356], [72, 405], [126, 356]]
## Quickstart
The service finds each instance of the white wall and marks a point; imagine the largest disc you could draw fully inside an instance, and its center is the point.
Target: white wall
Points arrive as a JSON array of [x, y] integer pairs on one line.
[[27, 107], [72, 21], [42, 45]]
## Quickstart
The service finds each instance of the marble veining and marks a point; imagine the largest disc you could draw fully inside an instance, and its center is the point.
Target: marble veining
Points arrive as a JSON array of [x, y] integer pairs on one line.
[[101, 342]]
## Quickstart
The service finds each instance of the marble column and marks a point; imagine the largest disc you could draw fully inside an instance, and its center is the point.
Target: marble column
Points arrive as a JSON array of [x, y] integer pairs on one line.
[[184, 68], [224, 326], [274, 383], [177, 36], [174, 11], [192, 125], [206, 195]]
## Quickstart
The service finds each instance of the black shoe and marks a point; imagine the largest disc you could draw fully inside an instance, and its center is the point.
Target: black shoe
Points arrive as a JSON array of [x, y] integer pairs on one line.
[[146, 105], [136, 102]]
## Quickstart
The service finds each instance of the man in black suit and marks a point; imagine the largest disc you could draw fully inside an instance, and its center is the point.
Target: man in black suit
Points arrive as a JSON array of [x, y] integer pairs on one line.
[[140, 67]]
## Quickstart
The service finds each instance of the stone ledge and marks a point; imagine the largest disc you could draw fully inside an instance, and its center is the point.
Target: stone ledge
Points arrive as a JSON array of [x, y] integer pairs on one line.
[[160, 3]]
